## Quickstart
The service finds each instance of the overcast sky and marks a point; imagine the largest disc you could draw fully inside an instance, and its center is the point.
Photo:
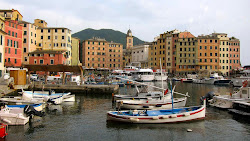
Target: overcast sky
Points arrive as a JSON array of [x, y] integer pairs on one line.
[[146, 18]]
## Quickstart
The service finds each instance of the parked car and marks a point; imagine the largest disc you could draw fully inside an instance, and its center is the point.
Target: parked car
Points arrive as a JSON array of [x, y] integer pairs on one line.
[[34, 77]]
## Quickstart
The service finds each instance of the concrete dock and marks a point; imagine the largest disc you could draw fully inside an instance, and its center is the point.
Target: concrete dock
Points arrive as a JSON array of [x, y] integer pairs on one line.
[[86, 89]]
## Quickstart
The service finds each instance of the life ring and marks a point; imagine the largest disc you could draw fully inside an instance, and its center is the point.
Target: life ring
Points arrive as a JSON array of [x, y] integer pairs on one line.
[[244, 84]]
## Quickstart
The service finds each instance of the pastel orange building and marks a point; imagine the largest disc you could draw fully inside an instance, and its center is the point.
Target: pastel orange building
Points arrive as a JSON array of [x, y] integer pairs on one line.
[[208, 52]]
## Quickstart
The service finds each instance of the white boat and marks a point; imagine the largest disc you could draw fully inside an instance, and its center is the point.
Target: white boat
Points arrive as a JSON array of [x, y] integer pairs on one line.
[[21, 100], [242, 76], [69, 98], [159, 116], [158, 76], [143, 75], [56, 98], [216, 79], [20, 108], [12, 118], [164, 103], [226, 101], [199, 81]]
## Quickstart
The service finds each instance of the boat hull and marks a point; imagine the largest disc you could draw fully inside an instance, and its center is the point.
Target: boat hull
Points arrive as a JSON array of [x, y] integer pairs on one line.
[[13, 119], [167, 104], [158, 118]]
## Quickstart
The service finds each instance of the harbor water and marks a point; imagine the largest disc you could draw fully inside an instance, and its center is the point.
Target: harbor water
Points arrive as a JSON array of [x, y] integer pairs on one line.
[[85, 120]]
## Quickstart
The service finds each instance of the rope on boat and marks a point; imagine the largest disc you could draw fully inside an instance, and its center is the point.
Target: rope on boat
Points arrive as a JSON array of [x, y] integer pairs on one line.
[[153, 86]]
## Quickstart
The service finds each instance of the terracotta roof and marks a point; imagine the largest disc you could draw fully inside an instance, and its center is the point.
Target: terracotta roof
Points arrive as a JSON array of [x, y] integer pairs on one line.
[[186, 35]]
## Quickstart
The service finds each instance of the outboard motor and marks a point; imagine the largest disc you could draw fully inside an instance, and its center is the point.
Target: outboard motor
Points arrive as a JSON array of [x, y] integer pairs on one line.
[[208, 97], [30, 111]]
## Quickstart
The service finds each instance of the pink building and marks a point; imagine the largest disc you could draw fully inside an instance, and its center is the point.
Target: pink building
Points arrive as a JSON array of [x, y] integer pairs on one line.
[[45, 57], [13, 44]]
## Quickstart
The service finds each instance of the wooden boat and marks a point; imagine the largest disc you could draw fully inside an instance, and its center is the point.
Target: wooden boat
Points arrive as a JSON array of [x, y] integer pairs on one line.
[[69, 98], [12, 118], [3, 130], [55, 98], [159, 116], [20, 108], [21, 100], [164, 103]]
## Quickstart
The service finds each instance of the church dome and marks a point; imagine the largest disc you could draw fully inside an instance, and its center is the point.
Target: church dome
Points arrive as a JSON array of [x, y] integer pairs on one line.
[[129, 33]]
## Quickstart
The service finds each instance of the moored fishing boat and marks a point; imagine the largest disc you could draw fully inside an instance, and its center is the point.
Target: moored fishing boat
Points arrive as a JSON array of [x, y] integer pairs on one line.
[[51, 96], [164, 103], [12, 118], [226, 101], [158, 76], [159, 116]]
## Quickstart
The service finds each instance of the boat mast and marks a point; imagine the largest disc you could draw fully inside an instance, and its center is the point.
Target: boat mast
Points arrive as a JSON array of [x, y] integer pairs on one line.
[[162, 81], [172, 97]]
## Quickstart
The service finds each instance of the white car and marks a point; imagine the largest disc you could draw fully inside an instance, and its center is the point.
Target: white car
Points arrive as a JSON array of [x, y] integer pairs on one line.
[[34, 77]]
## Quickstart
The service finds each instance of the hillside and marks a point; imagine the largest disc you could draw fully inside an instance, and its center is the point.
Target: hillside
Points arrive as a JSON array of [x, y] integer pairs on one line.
[[108, 34]]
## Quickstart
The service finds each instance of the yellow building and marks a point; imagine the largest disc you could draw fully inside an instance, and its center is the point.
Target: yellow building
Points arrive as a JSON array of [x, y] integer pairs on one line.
[[2, 42], [186, 53], [11, 15], [53, 38], [224, 53], [75, 51], [29, 39]]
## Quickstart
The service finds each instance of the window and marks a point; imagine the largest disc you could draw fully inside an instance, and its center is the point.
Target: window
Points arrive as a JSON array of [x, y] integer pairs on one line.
[[41, 37], [55, 30], [41, 61], [62, 30], [15, 51], [9, 50], [51, 61], [200, 47], [15, 61], [211, 54], [48, 37], [41, 30], [62, 37], [25, 59], [25, 33]]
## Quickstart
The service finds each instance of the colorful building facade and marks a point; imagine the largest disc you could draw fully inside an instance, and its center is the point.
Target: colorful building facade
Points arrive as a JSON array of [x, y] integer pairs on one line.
[[2, 45], [44, 57], [98, 53], [208, 52], [75, 51], [29, 40], [186, 53], [234, 53], [53, 38], [13, 44]]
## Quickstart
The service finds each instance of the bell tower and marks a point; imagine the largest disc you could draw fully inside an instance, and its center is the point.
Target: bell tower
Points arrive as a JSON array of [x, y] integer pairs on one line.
[[129, 41]]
